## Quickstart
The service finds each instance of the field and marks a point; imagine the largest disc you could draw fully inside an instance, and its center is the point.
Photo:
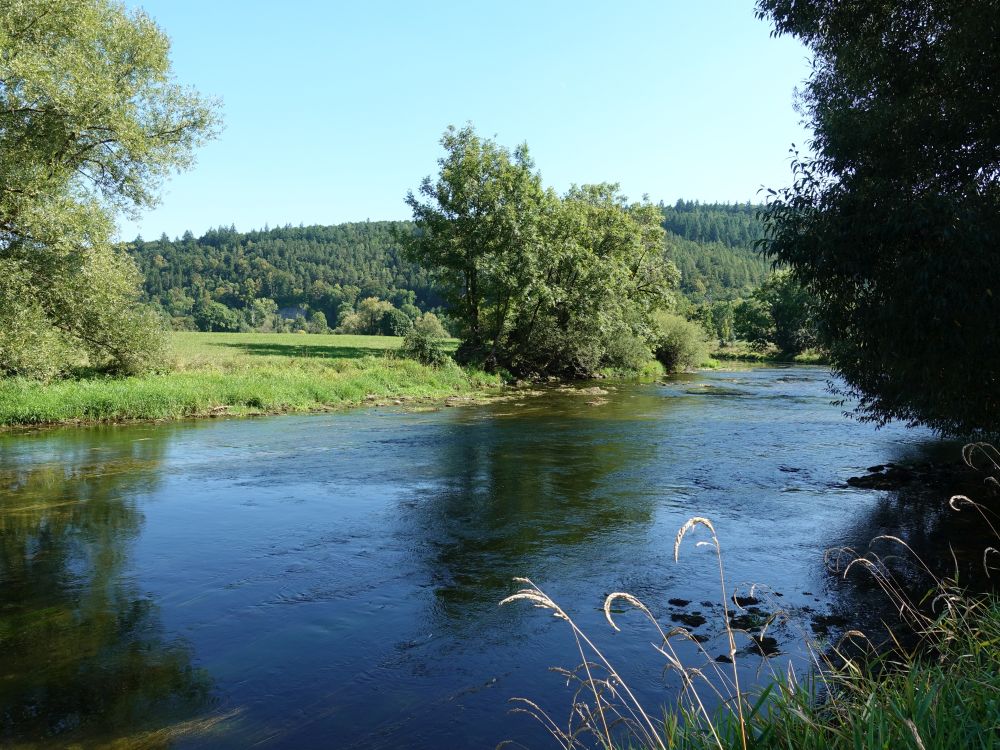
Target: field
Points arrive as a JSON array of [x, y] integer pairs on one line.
[[214, 374]]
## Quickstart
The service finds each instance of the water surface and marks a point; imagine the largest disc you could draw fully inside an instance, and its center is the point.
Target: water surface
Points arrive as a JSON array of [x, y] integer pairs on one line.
[[333, 580]]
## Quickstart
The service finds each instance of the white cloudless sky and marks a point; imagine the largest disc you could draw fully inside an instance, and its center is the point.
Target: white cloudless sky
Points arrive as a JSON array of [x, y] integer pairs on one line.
[[333, 110]]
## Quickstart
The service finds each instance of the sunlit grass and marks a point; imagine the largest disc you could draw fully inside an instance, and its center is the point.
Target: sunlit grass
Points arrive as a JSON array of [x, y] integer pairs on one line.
[[214, 374]]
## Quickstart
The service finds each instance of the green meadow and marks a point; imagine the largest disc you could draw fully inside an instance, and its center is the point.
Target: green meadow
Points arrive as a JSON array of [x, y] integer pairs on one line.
[[215, 374]]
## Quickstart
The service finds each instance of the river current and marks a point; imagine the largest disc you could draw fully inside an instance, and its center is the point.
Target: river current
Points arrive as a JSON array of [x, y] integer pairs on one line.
[[333, 580]]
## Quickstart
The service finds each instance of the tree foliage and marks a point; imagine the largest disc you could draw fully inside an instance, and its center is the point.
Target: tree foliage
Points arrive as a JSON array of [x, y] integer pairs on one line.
[[894, 223], [779, 312], [90, 123], [330, 268], [678, 343], [712, 244], [326, 268], [539, 283]]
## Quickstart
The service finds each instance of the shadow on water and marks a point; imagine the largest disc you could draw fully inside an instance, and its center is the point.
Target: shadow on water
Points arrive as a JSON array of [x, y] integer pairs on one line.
[[83, 656], [950, 542], [307, 350]]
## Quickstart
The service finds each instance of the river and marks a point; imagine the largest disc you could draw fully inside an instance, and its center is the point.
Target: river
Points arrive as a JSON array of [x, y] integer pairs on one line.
[[333, 580]]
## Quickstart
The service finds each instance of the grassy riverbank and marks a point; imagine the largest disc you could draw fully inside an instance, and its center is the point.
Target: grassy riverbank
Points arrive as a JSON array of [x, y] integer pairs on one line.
[[942, 694], [213, 374], [929, 683]]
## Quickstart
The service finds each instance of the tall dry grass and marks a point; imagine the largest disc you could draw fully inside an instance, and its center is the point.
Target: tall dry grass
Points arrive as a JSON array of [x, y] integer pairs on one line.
[[939, 689]]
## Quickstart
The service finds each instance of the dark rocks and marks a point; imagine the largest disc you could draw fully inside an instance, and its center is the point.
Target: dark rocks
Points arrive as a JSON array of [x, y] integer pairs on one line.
[[689, 619], [822, 624], [679, 602], [749, 620], [763, 644], [891, 476], [745, 601]]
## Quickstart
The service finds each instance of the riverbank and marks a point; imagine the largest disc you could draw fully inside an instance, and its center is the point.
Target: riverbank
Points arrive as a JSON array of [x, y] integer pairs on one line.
[[941, 695], [243, 374], [741, 351]]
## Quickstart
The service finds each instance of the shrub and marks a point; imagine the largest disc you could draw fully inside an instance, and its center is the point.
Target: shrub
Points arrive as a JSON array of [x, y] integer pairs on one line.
[[423, 348], [83, 312], [627, 352], [394, 323], [317, 322], [678, 343], [430, 324]]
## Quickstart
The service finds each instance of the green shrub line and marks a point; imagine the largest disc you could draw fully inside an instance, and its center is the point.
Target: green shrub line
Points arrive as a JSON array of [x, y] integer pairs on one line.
[[237, 374], [255, 390], [214, 374], [741, 351]]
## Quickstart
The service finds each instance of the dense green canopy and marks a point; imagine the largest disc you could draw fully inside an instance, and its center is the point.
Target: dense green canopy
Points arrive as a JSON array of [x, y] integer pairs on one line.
[[894, 224], [90, 123], [539, 283]]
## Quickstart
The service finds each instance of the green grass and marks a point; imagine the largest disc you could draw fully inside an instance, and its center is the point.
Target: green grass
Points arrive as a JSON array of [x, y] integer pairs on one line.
[[944, 695], [214, 374]]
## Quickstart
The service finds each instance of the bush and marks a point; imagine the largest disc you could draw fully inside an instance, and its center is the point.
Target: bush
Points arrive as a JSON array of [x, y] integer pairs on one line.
[[627, 352], [678, 343], [83, 312], [394, 323], [430, 324], [423, 348], [317, 322]]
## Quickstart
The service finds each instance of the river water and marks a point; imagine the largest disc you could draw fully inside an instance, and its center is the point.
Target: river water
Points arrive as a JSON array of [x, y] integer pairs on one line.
[[333, 580]]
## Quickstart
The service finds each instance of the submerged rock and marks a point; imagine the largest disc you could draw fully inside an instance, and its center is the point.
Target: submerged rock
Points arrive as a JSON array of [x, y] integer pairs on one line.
[[689, 619], [891, 476], [764, 645]]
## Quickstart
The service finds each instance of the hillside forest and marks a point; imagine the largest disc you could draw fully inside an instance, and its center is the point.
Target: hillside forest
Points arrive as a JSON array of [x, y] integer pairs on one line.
[[354, 277]]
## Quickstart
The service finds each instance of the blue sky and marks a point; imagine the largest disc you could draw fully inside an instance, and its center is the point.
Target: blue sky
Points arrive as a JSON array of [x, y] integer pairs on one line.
[[333, 110]]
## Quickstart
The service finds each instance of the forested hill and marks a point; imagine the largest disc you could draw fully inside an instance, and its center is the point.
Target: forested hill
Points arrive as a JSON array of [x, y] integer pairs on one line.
[[326, 267], [319, 266], [712, 245]]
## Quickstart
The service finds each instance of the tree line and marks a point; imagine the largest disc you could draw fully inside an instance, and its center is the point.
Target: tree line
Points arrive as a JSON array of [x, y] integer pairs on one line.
[[280, 278], [887, 234]]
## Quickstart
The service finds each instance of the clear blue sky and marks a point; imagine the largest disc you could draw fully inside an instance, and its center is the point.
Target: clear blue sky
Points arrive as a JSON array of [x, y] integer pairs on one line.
[[333, 110]]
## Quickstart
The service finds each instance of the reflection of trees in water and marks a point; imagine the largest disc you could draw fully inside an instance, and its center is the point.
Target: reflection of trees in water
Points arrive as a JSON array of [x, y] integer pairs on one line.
[[919, 514], [519, 492], [82, 651]]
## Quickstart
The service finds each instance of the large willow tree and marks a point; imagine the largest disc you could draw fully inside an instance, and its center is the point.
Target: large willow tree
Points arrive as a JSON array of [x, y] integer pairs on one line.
[[894, 224], [91, 121]]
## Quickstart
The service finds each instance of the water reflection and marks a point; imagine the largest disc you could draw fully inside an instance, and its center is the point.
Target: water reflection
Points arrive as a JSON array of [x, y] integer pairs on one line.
[[339, 575], [509, 500], [83, 655]]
